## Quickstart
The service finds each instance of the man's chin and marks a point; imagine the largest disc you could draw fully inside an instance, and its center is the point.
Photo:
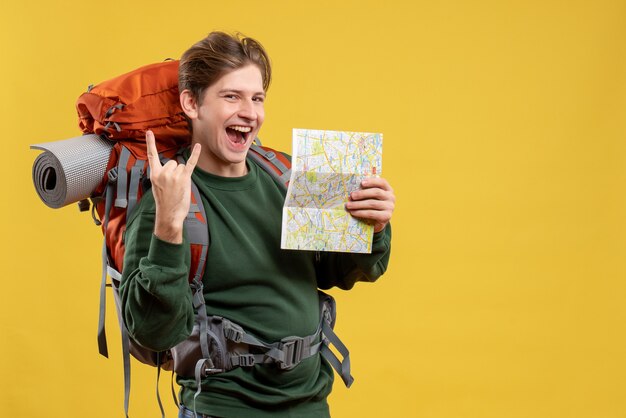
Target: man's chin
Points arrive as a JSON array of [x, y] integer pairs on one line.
[[236, 158]]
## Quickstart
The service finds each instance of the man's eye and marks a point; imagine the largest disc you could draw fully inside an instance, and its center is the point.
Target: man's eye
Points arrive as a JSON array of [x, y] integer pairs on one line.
[[259, 99]]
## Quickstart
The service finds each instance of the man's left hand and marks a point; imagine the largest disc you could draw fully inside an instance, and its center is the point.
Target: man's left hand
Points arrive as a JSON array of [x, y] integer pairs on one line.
[[374, 202]]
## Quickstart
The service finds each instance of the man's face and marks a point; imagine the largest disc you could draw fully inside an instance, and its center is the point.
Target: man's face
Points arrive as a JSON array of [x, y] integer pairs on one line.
[[228, 120]]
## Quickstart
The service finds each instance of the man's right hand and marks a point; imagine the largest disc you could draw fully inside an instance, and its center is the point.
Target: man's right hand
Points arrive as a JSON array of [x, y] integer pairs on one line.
[[171, 186]]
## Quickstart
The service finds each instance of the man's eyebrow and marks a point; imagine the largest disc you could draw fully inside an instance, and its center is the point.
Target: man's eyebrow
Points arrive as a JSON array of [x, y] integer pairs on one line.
[[241, 92]]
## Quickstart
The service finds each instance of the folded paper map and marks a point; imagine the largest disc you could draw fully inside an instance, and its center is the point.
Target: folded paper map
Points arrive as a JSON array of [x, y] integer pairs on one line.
[[326, 167]]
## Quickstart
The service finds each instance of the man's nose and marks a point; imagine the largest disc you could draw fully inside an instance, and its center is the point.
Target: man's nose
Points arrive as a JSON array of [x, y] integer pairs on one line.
[[246, 110]]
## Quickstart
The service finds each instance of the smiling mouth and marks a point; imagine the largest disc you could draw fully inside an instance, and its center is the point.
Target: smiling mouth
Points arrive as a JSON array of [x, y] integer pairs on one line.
[[238, 134]]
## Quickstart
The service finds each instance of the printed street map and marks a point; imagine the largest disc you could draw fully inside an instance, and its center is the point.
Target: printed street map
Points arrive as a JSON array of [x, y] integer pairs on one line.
[[326, 167]]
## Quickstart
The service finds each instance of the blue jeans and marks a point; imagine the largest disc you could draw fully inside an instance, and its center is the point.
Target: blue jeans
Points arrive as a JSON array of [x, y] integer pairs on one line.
[[188, 413]]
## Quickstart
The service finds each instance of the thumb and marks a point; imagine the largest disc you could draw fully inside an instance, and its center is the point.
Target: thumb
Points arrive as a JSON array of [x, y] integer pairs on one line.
[[193, 159]]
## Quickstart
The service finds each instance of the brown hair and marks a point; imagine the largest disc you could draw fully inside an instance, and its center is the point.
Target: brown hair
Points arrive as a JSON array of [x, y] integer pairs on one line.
[[209, 59]]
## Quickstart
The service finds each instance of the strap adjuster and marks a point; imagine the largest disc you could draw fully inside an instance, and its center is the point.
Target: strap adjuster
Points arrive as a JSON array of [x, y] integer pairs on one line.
[[234, 334], [112, 175], [292, 349], [246, 360], [197, 296]]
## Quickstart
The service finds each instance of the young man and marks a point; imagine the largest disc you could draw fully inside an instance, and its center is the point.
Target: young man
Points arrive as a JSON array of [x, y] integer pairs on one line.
[[271, 293]]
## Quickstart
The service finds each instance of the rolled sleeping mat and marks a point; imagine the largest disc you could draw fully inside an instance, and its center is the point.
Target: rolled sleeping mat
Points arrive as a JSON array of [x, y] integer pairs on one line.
[[69, 170]]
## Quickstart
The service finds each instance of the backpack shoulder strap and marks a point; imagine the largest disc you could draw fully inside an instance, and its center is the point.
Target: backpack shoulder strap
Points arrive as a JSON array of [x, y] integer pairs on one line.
[[276, 164], [197, 234]]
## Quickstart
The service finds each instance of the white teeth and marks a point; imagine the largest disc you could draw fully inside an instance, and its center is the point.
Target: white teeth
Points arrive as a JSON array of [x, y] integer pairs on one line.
[[244, 129]]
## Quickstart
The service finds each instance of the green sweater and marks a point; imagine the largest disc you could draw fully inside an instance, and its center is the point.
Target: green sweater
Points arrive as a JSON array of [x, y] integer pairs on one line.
[[248, 279]]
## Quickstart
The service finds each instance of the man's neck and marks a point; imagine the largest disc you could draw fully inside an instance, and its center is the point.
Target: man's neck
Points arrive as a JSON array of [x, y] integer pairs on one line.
[[223, 170]]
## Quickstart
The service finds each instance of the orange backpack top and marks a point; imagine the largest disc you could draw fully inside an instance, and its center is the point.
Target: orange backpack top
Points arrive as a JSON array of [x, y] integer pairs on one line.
[[126, 106]]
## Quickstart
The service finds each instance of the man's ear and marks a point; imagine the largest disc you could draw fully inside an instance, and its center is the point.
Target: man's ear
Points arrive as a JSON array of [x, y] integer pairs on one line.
[[189, 104]]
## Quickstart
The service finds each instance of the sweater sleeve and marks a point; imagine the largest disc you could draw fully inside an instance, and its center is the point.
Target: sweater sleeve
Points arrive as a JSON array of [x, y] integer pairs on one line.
[[155, 292], [345, 269]]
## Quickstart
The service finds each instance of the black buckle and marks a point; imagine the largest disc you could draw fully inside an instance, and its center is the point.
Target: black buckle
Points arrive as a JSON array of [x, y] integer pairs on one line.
[[84, 205], [292, 348]]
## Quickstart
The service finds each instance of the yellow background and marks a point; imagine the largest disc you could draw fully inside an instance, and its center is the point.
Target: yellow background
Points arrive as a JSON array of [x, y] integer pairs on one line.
[[504, 126]]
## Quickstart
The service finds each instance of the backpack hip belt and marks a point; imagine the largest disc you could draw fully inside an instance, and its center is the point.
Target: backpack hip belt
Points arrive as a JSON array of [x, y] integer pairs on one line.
[[217, 344], [228, 345]]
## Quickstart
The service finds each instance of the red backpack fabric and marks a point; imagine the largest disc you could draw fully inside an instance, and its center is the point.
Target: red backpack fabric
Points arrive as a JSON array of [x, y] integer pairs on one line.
[[125, 107]]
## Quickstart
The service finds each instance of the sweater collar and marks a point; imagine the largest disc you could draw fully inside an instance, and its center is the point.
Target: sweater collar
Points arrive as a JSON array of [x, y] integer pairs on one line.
[[227, 183]]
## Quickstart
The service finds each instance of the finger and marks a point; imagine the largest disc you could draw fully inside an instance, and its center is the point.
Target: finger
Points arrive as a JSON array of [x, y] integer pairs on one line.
[[369, 204], [375, 216], [379, 182], [153, 154], [372, 193], [193, 159]]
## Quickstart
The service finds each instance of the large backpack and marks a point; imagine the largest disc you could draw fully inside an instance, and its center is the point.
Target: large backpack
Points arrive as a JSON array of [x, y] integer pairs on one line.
[[123, 109]]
